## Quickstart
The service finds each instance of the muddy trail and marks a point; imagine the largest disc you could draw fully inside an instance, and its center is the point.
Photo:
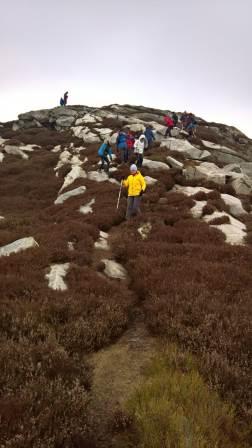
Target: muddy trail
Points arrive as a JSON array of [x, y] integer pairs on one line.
[[118, 369]]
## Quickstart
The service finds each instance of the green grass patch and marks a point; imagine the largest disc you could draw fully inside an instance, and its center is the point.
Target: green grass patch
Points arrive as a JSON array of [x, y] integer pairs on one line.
[[174, 408]]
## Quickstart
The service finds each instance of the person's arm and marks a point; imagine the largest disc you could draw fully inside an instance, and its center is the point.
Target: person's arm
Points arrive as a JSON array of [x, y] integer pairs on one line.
[[126, 183], [143, 183], [153, 136]]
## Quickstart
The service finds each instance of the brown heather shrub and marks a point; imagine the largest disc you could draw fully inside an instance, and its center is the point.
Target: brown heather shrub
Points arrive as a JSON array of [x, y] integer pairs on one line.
[[193, 290], [208, 210], [200, 196], [43, 394], [219, 221], [41, 136]]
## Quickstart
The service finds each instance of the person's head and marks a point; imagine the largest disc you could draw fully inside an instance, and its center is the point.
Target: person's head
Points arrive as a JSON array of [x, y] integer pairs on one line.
[[133, 169]]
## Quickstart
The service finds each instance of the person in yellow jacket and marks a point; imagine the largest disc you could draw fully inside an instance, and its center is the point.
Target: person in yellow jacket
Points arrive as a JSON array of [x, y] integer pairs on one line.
[[136, 187]]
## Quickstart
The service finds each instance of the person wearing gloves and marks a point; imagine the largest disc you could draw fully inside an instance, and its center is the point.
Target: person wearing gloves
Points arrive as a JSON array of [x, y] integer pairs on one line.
[[136, 185], [105, 153], [139, 147]]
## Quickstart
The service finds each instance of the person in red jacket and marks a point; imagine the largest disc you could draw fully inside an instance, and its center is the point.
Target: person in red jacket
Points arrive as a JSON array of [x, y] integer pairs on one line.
[[130, 139], [170, 125]]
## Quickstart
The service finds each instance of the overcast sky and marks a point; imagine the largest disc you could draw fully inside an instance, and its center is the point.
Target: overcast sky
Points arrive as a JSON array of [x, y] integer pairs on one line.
[[187, 54]]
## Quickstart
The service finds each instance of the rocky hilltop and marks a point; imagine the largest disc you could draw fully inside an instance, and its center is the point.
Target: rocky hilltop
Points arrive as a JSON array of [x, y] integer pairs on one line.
[[76, 277]]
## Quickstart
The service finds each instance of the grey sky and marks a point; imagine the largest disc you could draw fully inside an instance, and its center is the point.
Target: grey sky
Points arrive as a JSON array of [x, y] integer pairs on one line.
[[187, 54]]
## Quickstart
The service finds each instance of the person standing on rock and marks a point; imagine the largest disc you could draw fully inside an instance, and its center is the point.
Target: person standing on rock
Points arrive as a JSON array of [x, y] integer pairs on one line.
[[65, 98], [139, 147], [136, 185], [149, 135], [175, 118], [105, 153], [170, 125], [122, 147]]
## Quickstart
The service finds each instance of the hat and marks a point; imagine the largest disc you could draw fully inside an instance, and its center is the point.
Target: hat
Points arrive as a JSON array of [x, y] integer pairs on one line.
[[133, 168]]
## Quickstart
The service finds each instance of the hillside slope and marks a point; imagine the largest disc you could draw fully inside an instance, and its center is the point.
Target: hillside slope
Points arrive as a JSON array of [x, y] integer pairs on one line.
[[75, 275]]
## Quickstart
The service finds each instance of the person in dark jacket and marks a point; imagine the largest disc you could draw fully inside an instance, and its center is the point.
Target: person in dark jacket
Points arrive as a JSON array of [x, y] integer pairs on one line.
[[65, 98], [191, 125], [122, 147], [105, 153], [175, 118], [62, 102], [149, 136]]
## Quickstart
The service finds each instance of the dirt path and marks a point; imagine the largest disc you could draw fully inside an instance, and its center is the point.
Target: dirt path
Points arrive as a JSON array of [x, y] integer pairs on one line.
[[117, 370]]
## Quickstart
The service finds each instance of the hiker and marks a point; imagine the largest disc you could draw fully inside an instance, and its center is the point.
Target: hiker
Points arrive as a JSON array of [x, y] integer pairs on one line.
[[62, 102], [175, 118], [184, 119], [130, 139], [121, 145], [139, 147], [191, 125], [136, 187], [65, 98], [149, 135], [170, 125], [105, 153]]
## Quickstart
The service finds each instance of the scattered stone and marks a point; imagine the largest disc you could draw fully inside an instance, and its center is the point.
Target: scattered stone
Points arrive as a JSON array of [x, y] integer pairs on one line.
[[18, 246], [1, 157], [85, 209], [97, 176], [63, 197], [163, 201], [102, 242], [144, 230], [56, 148], [114, 269], [15, 151], [70, 246], [76, 173], [56, 276]]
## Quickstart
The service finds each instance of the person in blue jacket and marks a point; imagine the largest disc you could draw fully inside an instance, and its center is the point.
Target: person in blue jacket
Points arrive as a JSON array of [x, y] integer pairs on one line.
[[105, 153], [149, 135], [122, 147]]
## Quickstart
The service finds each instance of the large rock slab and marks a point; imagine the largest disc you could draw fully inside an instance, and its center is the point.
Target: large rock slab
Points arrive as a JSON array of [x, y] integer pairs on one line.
[[189, 191], [85, 134], [56, 276], [242, 184], [174, 163], [154, 165], [206, 170], [97, 176], [65, 122], [150, 180], [235, 232], [63, 197], [18, 246], [223, 153], [234, 204], [186, 148]]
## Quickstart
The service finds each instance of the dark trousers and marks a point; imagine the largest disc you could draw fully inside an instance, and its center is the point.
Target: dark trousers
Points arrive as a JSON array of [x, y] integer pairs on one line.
[[104, 160], [124, 155], [133, 206], [168, 131], [139, 160]]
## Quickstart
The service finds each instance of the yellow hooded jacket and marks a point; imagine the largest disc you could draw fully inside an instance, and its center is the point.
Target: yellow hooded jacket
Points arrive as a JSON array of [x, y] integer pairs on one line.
[[135, 184]]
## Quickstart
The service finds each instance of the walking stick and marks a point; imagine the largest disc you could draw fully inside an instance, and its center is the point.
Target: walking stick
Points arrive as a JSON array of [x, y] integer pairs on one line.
[[119, 196]]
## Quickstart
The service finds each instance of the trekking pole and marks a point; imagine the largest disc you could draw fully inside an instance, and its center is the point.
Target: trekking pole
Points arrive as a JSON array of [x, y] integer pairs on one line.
[[119, 196]]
